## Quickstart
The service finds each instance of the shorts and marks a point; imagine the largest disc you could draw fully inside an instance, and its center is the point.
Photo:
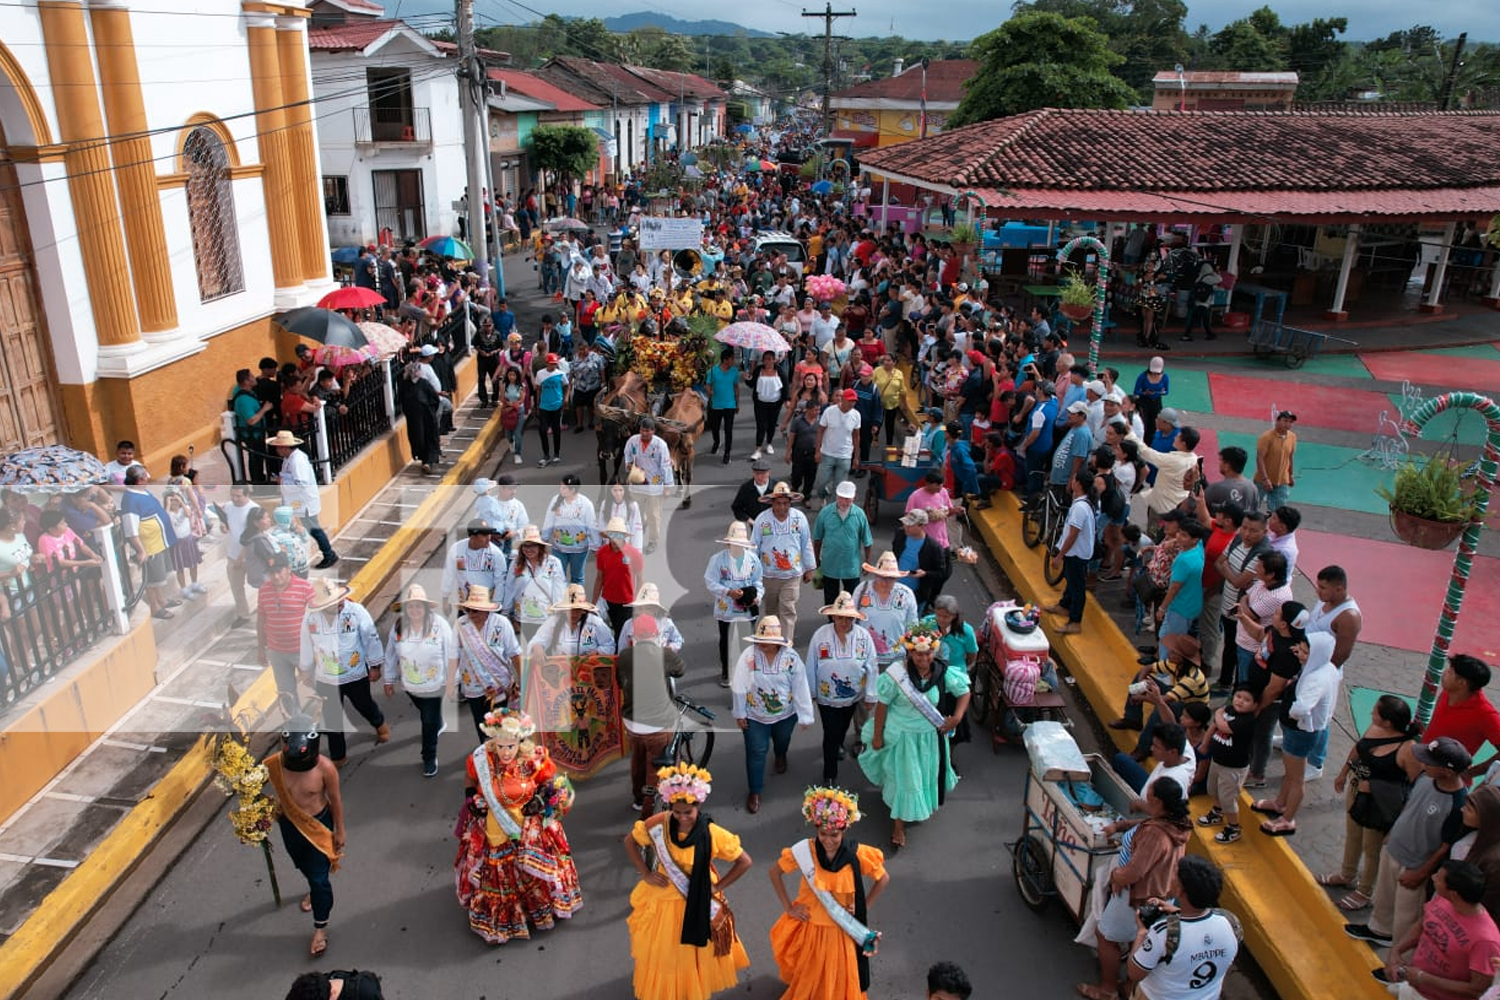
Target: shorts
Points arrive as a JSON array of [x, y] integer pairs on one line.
[[1225, 784], [157, 568], [1173, 623], [1297, 742]]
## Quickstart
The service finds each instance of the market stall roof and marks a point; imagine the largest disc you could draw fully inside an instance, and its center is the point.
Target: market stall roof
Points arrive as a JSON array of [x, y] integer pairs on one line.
[[1214, 166]]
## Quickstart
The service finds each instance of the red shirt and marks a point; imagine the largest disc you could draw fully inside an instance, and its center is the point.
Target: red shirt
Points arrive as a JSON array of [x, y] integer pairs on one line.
[[281, 613], [1471, 722], [619, 570], [1212, 549]]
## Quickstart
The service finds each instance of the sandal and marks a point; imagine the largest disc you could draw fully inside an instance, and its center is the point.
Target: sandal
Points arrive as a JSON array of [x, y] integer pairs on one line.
[[163, 614], [1333, 880], [1354, 901], [1279, 828], [1266, 807], [319, 943], [1091, 992]]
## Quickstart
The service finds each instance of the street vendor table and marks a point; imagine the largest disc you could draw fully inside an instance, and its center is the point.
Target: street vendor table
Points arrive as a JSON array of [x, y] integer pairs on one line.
[[890, 480]]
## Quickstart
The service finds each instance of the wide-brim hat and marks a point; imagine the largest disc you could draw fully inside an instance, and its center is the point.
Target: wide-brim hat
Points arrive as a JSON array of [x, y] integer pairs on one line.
[[416, 592], [842, 607], [478, 599], [768, 631], [284, 439], [616, 526], [737, 535], [327, 593], [781, 491], [636, 476], [885, 566], [574, 599], [533, 535], [647, 597]]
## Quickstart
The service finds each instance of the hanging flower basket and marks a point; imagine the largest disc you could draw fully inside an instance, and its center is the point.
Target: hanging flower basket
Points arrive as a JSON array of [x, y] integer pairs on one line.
[[1076, 312], [1424, 533]]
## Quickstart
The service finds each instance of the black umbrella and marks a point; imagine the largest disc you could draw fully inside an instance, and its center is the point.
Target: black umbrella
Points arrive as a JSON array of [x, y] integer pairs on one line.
[[323, 325]]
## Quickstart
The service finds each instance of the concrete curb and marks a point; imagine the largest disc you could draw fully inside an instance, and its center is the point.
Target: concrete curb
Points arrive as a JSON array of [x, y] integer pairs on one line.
[[34, 946]]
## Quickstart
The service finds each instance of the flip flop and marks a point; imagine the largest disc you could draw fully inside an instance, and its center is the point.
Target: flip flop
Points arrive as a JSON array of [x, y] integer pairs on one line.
[[319, 947], [164, 614], [1091, 992], [1333, 880], [1266, 807], [1279, 828]]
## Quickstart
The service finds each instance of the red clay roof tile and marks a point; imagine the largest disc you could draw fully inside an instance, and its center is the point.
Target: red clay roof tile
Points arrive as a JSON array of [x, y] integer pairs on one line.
[[945, 82]]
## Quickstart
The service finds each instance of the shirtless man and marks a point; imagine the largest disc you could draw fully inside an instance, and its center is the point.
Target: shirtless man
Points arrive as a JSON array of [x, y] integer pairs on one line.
[[311, 818]]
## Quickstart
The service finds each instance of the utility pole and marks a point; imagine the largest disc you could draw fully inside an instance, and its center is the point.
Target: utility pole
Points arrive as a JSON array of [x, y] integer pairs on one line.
[[473, 108], [828, 14], [1458, 50]]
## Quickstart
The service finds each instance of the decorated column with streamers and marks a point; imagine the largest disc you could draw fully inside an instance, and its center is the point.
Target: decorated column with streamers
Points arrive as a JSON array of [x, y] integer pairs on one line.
[[1463, 563], [1101, 287]]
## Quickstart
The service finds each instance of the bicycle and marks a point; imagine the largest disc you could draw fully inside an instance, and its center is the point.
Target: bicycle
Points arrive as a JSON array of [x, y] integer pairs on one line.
[[1042, 522], [681, 749]]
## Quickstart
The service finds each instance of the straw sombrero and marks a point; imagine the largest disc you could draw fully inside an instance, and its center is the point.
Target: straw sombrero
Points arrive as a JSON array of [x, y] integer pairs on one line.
[[842, 607], [781, 491], [416, 592], [737, 535], [616, 526], [885, 566], [768, 631], [531, 533], [478, 599], [648, 597], [573, 600], [327, 593], [284, 439]]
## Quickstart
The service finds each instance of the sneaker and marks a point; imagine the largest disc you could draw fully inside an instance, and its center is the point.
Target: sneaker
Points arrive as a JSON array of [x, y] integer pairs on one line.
[[636, 807], [442, 726], [1228, 835], [755, 455], [429, 770], [189, 594], [556, 459], [1254, 782], [1276, 740], [770, 449], [1312, 773], [327, 561], [543, 463], [1362, 932], [518, 459], [1211, 818]]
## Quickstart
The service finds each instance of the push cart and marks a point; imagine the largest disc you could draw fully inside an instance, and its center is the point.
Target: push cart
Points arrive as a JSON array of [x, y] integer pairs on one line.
[[890, 480], [1070, 799], [1293, 344]]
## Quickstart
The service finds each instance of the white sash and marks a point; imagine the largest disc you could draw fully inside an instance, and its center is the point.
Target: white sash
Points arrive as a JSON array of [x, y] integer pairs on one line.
[[490, 667], [502, 816], [863, 937], [919, 701], [669, 868]]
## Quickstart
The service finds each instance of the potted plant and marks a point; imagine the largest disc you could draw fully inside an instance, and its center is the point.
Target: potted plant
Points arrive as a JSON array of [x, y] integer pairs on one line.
[[964, 237], [1077, 299], [1430, 505]]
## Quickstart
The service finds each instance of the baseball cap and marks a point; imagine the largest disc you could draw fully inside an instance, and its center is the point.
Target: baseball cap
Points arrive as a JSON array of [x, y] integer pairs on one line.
[[1444, 752], [551, 358], [850, 395], [963, 286], [427, 351], [479, 526], [1114, 396], [916, 516], [1157, 364], [1078, 406], [1171, 416], [1096, 387], [645, 627], [1287, 415], [760, 465], [845, 490], [867, 370]]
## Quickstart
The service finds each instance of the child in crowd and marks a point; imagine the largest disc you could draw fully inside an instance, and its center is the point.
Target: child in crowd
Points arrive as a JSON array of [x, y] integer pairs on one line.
[[1229, 750], [1139, 548], [61, 546], [185, 553]]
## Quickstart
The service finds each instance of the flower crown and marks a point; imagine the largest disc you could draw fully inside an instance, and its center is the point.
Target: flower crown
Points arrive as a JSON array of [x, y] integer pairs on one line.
[[922, 639], [828, 806], [504, 722], [684, 783]]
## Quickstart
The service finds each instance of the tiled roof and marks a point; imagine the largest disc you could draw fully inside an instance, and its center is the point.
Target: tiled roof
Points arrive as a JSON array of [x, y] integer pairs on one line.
[[1216, 162], [452, 49], [534, 86], [679, 83], [945, 82], [603, 84], [1219, 78], [352, 36]]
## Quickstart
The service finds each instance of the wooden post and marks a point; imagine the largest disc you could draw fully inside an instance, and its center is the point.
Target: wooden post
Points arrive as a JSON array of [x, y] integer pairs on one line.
[[1351, 250]]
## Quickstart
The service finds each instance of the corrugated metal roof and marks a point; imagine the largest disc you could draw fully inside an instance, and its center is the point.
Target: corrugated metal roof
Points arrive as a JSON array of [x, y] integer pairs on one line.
[[534, 86]]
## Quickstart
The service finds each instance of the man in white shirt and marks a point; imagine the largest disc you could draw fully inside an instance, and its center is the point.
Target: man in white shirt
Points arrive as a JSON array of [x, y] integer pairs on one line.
[[649, 463], [236, 513], [299, 491], [1187, 961], [824, 326], [835, 450]]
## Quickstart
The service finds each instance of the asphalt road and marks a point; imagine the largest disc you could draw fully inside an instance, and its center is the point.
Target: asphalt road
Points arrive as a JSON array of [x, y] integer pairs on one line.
[[209, 927]]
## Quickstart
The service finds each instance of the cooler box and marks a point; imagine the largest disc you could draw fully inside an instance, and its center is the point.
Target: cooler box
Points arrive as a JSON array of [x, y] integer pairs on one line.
[[1007, 645]]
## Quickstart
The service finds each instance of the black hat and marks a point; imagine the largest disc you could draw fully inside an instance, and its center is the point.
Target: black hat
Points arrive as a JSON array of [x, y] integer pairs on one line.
[[1445, 752], [299, 738], [479, 526]]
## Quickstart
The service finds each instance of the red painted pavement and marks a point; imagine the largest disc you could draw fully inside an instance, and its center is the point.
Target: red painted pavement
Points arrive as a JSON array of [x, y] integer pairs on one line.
[[1400, 591], [1436, 370], [1315, 405]]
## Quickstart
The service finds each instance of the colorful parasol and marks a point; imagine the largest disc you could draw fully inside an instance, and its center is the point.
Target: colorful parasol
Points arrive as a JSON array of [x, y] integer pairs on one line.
[[351, 297], [558, 225], [386, 340], [341, 356], [755, 337], [447, 246], [52, 468]]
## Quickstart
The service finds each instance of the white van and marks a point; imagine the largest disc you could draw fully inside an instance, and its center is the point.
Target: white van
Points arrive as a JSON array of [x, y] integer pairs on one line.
[[773, 241]]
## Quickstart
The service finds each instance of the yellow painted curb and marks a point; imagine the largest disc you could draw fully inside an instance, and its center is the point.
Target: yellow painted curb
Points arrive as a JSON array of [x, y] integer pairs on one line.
[[31, 949], [1291, 927]]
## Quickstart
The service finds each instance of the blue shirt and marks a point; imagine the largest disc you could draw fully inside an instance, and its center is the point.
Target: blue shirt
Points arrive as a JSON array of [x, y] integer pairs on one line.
[[1187, 569], [505, 322], [1075, 444], [551, 388], [1043, 442], [721, 388], [1073, 394], [964, 473]]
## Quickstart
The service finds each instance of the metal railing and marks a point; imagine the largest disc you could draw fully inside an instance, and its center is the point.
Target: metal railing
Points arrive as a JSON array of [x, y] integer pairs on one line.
[[358, 418], [48, 619], [392, 125]]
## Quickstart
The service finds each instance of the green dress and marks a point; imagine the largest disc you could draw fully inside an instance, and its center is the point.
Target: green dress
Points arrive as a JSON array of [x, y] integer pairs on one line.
[[906, 766]]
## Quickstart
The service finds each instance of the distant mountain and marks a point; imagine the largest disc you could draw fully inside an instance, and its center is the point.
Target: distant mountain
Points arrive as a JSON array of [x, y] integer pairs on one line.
[[652, 19]]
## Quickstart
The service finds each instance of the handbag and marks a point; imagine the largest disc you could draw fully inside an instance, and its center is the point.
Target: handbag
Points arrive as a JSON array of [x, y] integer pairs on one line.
[[510, 416], [1378, 808]]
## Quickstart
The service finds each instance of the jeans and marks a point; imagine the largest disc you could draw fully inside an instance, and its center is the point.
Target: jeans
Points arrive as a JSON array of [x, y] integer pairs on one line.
[[574, 564], [836, 719], [284, 669], [724, 419], [1075, 587], [357, 693], [765, 422], [804, 473], [517, 436], [1277, 497], [1130, 772], [644, 748], [1230, 661], [430, 708], [549, 422], [758, 737], [1173, 623], [315, 530], [487, 367], [866, 438], [1037, 465], [1244, 659], [312, 863], [833, 584], [1260, 749], [831, 472], [1199, 314], [1319, 754]]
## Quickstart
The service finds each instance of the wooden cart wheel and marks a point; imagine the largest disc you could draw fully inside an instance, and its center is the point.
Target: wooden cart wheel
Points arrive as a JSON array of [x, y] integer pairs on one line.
[[979, 703], [872, 498], [1296, 358], [1033, 878]]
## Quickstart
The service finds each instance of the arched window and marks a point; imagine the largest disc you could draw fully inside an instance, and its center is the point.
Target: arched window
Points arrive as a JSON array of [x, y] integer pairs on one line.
[[210, 195]]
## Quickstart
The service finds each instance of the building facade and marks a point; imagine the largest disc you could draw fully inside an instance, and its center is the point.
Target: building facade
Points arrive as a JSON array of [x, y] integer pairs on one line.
[[891, 110], [1201, 90]]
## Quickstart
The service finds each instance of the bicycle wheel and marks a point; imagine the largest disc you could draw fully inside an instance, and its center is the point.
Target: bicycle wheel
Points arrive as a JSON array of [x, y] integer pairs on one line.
[[1052, 569], [1032, 513], [690, 752]]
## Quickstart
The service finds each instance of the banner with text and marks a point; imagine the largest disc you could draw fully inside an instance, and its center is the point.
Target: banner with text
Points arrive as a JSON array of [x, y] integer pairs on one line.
[[663, 233]]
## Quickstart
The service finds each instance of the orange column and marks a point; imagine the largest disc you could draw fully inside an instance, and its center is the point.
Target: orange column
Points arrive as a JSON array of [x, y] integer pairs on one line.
[[120, 82], [270, 122], [291, 43], [91, 187]]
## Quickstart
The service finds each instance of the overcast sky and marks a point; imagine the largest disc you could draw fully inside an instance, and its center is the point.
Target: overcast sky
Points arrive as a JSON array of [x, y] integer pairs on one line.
[[963, 19]]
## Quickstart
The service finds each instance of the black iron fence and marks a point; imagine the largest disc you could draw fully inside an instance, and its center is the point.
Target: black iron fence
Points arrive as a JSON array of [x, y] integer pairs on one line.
[[48, 617], [358, 418]]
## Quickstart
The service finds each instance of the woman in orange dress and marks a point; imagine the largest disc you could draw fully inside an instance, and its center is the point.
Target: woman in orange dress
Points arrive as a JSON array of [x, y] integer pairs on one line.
[[682, 934], [515, 869], [821, 944]]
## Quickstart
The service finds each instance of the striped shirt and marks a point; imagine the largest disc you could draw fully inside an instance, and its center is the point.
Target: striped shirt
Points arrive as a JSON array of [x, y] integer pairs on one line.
[[281, 613]]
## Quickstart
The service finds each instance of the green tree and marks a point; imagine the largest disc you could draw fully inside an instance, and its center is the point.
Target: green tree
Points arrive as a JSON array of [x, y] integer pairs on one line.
[[664, 51], [567, 151], [1039, 60], [1147, 34], [1242, 46]]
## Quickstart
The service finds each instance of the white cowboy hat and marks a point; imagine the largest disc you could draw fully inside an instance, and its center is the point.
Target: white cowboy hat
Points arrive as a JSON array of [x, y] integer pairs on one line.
[[616, 526], [768, 631], [737, 535], [842, 607], [284, 439], [781, 491], [327, 593], [573, 600], [532, 534], [478, 599], [885, 566], [647, 597]]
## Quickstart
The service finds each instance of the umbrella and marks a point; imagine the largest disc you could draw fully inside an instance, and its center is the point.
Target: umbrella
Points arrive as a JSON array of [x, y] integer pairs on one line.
[[322, 325], [768, 165], [688, 159], [756, 337], [351, 297], [346, 255], [822, 187], [342, 356], [752, 166], [744, 128], [558, 225], [447, 246], [52, 468], [386, 339]]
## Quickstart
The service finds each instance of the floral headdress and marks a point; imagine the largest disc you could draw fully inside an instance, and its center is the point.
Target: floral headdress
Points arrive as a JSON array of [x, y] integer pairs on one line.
[[922, 639], [504, 723], [828, 806], [684, 783]]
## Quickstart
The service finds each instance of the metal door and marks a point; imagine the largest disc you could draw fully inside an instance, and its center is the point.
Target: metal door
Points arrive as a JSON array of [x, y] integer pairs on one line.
[[399, 203]]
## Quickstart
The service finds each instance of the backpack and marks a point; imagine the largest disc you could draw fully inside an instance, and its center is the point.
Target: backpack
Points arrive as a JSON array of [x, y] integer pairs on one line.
[[359, 985], [1112, 503]]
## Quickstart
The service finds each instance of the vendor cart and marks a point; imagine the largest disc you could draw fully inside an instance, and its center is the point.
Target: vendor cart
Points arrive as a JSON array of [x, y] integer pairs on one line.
[[893, 481], [1070, 799]]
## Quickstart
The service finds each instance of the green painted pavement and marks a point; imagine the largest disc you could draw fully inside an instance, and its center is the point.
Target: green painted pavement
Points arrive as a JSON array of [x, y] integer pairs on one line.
[[1362, 702], [1482, 352], [1330, 365], [1189, 391], [1327, 475]]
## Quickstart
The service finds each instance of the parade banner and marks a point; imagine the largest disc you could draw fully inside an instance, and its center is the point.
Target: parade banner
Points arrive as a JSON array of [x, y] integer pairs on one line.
[[575, 703], [659, 232]]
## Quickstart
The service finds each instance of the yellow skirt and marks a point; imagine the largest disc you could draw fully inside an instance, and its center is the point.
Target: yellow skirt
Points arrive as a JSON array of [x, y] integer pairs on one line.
[[815, 958], [665, 968]]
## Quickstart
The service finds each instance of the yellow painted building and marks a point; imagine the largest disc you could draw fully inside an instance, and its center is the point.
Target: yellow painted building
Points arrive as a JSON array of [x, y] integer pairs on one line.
[[889, 110]]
